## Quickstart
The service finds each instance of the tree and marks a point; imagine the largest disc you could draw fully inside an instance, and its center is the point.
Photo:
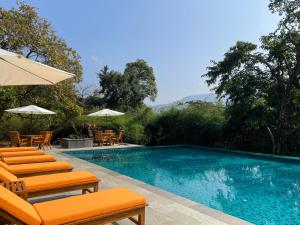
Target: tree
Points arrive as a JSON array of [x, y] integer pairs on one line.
[[263, 84], [140, 83], [23, 31], [128, 90], [112, 87]]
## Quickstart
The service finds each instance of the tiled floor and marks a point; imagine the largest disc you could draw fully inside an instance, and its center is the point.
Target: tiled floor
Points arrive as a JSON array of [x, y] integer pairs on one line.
[[164, 208]]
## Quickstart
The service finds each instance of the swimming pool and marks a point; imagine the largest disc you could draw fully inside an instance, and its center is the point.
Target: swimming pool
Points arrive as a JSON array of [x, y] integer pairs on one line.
[[259, 189]]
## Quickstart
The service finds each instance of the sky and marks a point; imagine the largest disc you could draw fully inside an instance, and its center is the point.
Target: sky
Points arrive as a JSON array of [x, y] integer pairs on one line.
[[178, 38]]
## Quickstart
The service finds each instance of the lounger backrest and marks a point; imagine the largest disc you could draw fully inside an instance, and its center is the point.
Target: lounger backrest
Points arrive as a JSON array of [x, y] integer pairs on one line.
[[6, 176], [4, 166], [18, 207]]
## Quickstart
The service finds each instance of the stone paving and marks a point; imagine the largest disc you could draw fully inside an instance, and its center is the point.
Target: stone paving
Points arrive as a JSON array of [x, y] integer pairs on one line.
[[164, 208]]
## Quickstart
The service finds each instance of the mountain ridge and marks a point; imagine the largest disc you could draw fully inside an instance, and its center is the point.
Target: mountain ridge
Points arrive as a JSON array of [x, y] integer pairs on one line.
[[210, 97]]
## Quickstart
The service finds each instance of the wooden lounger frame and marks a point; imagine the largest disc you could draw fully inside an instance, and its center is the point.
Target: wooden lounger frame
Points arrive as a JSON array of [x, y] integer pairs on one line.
[[41, 173], [19, 188], [97, 220]]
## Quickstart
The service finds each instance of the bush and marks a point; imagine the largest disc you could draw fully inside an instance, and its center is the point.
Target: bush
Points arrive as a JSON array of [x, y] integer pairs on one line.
[[200, 123]]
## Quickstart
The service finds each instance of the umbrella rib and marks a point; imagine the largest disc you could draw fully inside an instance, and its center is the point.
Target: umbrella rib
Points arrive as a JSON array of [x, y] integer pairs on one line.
[[28, 71]]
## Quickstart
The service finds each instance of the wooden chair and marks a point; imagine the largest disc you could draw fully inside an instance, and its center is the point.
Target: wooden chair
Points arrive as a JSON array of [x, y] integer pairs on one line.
[[119, 138], [44, 140], [16, 140], [103, 207], [109, 131], [102, 138]]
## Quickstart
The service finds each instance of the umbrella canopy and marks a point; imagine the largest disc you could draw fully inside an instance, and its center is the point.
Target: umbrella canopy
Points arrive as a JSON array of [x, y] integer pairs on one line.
[[30, 109], [18, 70], [106, 112]]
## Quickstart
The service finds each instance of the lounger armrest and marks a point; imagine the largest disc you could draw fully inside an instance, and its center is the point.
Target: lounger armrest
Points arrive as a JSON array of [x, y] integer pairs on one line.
[[17, 187]]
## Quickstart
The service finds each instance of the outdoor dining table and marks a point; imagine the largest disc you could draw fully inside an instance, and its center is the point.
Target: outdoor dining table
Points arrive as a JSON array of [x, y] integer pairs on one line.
[[31, 137]]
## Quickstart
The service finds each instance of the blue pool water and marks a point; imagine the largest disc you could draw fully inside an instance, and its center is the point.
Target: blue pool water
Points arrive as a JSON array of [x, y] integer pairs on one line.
[[254, 188]]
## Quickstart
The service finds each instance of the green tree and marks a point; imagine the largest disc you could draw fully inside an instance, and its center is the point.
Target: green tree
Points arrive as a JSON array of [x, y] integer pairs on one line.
[[262, 84], [112, 87], [139, 82], [23, 31], [128, 90]]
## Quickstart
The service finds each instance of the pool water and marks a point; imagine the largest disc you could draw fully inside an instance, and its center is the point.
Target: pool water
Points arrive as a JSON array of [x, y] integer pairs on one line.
[[258, 189]]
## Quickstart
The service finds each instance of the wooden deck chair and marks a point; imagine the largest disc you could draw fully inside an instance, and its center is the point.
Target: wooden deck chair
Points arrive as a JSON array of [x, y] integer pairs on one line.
[[102, 138], [96, 208], [119, 138], [42, 185], [27, 159], [34, 169], [16, 140], [44, 140], [21, 153]]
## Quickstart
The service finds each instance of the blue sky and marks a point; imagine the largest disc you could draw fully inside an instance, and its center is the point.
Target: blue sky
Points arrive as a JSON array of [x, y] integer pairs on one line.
[[178, 38]]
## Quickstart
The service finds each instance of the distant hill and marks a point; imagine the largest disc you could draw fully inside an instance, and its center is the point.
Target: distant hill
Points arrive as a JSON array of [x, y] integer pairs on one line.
[[210, 97]]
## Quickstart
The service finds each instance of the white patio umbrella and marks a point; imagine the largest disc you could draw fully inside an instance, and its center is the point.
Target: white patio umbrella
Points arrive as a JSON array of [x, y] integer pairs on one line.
[[30, 110], [106, 113], [17, 70]]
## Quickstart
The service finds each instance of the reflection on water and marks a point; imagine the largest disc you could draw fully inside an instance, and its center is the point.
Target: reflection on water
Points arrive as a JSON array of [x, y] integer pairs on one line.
[[255, 189]]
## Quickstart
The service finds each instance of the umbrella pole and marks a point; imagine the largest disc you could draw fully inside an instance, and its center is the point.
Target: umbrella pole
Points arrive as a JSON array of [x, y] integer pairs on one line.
[[31, 119]]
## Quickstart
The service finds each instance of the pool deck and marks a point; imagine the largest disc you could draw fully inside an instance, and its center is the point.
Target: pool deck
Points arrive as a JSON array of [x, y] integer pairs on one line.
[[164, 207]]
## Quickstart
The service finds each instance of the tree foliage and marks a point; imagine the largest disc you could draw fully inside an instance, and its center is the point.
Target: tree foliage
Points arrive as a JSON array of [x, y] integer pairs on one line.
[[23, 31], [128, 90], [262, 83], [200, 123]]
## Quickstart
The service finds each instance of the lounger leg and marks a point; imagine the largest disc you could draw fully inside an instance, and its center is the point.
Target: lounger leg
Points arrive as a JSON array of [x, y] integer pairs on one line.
[[141, 220], [96, 188]]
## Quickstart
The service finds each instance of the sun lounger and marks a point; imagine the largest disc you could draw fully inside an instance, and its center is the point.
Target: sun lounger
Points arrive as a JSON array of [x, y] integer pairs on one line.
[[17, 149], [21, 153], [27, 159], [34, 169], [96, 208], [28, 187]]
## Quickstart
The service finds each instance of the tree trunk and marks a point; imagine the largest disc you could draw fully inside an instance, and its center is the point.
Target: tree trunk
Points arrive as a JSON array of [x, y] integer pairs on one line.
[[272, 138]]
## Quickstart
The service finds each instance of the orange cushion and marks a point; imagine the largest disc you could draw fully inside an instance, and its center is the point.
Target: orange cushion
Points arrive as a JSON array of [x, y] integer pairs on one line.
[[6, 176], [85, 206], [4, 166], [52, 181], [28, 159], [39, 167], [22, 153], [18, 207], [17, 149]]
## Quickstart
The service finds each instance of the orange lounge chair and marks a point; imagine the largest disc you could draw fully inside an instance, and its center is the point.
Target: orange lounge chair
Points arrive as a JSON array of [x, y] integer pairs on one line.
[[35, 186], [96, 208], [17, 149], [27, 159], [34, 169], [21, 153]]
